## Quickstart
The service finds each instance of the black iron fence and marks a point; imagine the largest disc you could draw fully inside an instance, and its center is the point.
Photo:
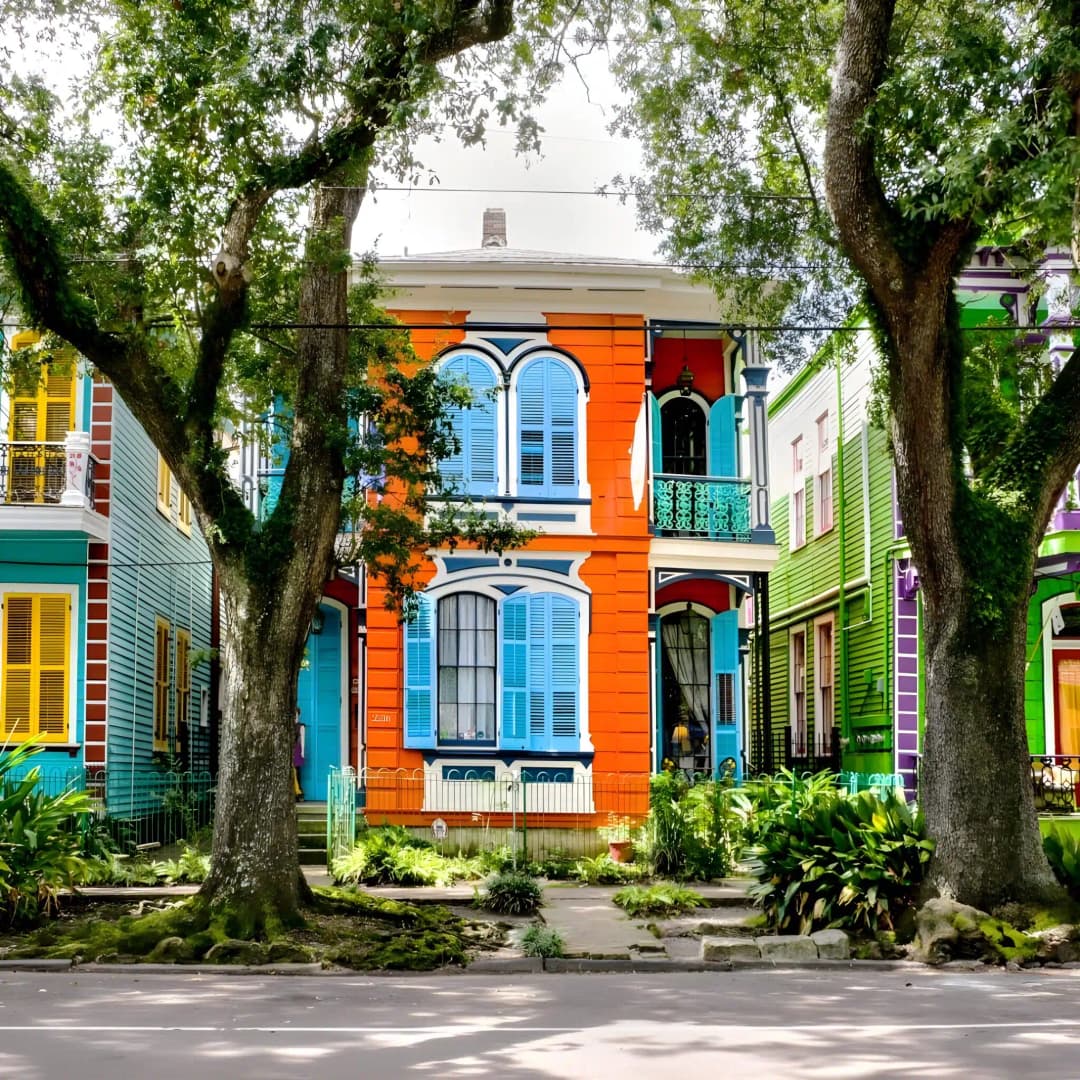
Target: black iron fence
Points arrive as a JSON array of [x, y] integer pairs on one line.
[[36, 472]]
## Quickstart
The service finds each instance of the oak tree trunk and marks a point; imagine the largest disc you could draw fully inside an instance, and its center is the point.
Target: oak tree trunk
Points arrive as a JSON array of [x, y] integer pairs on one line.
[[975, 783]]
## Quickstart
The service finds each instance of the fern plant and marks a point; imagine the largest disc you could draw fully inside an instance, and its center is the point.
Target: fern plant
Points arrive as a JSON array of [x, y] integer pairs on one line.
[[663, 899]]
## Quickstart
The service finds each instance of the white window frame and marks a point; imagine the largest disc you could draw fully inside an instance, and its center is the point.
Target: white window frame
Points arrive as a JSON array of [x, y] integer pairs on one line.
[[797, 509], [822, 688], [823, 483], [798, 726]]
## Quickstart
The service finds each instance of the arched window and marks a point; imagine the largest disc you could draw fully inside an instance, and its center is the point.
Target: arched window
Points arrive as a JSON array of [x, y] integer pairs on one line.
[[683, 433], [547, 413], [473, 468]]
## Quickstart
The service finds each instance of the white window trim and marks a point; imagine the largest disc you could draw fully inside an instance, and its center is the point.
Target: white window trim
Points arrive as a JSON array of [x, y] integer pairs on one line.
[[75, 674], [824, 464], [820, 622], [793, 633], [798, 486], [486, 586]]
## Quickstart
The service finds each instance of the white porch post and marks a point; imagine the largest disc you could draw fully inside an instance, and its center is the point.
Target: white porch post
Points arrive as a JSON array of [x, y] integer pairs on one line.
[[77, 446]]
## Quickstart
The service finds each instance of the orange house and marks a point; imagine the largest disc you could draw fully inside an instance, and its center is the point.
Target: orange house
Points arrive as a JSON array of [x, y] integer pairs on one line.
[[605, 417]]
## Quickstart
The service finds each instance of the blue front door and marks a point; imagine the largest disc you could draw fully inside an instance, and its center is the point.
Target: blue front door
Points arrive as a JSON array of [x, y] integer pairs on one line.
[[318, 696]]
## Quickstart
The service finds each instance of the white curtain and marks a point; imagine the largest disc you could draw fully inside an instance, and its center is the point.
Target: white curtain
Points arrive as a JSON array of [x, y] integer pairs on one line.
[[686, 643], [467, 668]]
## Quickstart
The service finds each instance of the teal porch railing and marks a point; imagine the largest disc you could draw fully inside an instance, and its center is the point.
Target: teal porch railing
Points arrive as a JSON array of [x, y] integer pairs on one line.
[[710, 507]]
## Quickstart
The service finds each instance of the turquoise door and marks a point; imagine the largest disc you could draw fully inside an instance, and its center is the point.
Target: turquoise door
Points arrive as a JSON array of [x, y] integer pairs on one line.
[[318, 696]]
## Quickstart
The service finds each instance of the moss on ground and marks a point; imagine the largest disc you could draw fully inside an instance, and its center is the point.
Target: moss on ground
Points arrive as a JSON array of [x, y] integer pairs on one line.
[[340, 928]]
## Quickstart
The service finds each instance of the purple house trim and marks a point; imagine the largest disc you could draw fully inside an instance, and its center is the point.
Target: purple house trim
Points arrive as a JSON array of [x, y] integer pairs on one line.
[[906, 690]]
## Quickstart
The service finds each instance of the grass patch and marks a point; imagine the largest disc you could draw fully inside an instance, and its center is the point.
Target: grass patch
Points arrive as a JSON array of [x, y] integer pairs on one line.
[[542, 941], [342, 928]]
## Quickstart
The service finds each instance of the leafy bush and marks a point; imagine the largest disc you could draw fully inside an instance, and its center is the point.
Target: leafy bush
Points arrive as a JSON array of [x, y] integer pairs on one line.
[[191, 867], [542, 941], [513, 893], [664, 899], [40, 842], [764, 802], [691, 830], [851, 861], [391, 855], [1062, 847], [603, 870], [558, 866]]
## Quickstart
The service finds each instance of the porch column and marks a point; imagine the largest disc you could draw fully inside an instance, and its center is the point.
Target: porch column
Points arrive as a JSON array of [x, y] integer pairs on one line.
[[755, 375], [77, 448]]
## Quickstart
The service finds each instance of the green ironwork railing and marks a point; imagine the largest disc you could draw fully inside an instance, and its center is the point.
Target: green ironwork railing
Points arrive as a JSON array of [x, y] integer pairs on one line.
[[340, 813], [705, 506]]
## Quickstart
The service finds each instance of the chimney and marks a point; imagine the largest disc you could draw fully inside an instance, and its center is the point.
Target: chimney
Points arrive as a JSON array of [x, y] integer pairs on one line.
[[494, 228]]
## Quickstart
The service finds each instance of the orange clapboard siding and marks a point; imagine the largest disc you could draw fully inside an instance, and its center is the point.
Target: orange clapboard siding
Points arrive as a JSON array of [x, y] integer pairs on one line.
[[616, 573]]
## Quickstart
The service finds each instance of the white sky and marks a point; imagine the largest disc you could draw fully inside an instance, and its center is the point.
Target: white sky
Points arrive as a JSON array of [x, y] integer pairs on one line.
[[577, 154]]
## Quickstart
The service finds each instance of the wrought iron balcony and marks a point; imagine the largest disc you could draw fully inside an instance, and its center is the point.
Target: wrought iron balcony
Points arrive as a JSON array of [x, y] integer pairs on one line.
[[47, 473], [705, 507]]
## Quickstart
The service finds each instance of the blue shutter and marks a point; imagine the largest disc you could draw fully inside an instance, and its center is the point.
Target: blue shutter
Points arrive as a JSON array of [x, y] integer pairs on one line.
[[532, 425], [515, 673], [562, 399], [656, 432], [473, 466], [547, 429], [723, 437], [420, 676], [563, 668], [726, 703]]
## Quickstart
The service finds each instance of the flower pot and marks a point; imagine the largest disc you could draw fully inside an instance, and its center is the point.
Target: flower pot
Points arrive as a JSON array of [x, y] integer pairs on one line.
[[620, 851]]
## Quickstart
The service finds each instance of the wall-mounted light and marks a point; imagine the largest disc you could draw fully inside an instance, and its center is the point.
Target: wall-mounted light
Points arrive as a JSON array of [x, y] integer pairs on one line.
[[317, 622]]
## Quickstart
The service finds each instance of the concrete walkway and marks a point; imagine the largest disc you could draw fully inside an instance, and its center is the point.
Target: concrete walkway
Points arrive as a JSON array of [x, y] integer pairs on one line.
[[585, 917]]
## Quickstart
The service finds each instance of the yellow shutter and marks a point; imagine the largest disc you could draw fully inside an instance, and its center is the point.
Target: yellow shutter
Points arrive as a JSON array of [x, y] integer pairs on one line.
[[37, 631], [183, 677], [164, 487], [161, 685]]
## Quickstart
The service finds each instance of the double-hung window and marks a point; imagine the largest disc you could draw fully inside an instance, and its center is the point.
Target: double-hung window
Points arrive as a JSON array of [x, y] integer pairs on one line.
[[798, 693], [481, 672], [798, 495], [473, 466], [823, 490], [823, 669], [36, 668], [547, 414]]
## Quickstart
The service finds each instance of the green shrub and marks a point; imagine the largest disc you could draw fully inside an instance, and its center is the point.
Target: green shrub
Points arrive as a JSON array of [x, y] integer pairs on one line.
[[762, 803], [663, 899], [1062, 847], [558, 866], [512, 893], [603, 870], [40, 841], [190, 868], [691, 831], [391, 855], [542, 941], [851, 861]]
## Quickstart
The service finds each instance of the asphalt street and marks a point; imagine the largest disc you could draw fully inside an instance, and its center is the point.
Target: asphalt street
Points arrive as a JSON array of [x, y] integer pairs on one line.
[[842, 1024]]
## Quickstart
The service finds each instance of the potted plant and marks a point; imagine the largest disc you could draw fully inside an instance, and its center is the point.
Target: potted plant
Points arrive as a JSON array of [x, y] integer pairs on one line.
[[617, 834]]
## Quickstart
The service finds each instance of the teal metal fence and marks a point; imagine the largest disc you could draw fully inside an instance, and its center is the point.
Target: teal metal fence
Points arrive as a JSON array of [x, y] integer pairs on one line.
[[340, 813], [138, 808]]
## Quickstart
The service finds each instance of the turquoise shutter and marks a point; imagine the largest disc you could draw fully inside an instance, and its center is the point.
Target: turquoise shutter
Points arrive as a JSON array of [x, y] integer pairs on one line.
[[562, 398], [473, 466], [726, 705], [723, 437], [420, 676], [515, 673], [656, 432], [547, 429], [562, 636]]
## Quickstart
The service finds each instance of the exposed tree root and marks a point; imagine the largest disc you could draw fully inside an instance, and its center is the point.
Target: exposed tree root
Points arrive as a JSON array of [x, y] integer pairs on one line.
[[338, 928]]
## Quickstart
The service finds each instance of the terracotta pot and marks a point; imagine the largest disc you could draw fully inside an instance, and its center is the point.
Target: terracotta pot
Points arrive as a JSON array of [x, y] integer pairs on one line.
[[621, 851]]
